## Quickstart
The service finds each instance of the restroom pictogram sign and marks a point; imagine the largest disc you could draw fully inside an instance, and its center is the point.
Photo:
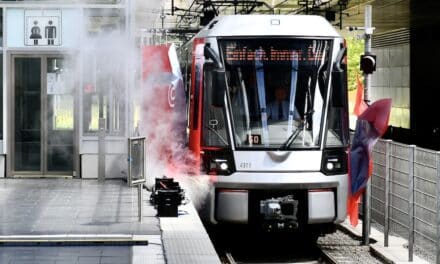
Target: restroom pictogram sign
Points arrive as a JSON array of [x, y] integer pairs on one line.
[[42, 28]]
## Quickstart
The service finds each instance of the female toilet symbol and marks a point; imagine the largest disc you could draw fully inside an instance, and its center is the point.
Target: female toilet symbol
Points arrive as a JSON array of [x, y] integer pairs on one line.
[[50, 32], [35, 33]]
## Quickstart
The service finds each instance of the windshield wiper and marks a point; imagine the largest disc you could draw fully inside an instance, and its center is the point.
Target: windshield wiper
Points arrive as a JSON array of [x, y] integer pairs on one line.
[[295, 133], [292, 138], [218, 134]]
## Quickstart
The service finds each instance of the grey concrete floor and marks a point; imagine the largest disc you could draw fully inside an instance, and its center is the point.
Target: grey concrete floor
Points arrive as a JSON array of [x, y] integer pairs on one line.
[[82, 255], [33, 207], [63, 206]]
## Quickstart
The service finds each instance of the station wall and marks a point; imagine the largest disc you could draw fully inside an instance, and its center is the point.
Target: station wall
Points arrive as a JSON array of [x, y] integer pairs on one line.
[[425, 78], [391, 79], [74, 31], [2, 165], [406, 42]]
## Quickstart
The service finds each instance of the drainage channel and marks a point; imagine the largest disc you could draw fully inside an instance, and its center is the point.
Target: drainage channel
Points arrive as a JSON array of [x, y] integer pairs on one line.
[[73, 240]]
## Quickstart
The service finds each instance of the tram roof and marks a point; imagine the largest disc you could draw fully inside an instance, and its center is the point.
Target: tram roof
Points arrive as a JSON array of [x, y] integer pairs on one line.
[[269, 25]]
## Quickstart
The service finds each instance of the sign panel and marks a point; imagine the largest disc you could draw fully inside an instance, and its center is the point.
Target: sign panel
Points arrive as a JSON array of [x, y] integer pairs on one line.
[[42, 27], [56, 84]]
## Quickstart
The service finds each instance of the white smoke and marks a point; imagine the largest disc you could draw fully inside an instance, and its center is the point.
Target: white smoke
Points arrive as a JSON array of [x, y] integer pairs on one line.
[[111, 60], [105, 63], [164, 123]]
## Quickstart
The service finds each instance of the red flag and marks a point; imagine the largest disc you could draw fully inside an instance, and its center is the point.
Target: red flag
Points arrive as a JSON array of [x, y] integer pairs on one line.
[[378, 114], [353, 209], [360, 105], [371, 125]]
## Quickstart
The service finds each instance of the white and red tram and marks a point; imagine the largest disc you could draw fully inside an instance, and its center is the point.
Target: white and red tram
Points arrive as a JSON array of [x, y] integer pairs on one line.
[[283, 169]]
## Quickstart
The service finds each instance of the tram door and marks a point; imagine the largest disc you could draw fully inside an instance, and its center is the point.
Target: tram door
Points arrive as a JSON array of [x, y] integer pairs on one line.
[[43, 125]]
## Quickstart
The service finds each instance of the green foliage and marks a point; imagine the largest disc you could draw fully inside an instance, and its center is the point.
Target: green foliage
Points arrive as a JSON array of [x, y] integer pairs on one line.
[[355, 50]]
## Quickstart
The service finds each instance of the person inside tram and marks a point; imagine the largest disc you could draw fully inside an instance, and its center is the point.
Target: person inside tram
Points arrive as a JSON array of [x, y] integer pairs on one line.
[[278, 109]]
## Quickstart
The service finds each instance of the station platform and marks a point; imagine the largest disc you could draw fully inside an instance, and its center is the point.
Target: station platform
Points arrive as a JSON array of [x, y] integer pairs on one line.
[[86, 221], [395, 253]]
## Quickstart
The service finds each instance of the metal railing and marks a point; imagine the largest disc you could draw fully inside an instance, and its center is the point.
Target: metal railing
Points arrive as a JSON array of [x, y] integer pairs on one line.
[[405, 196], [136, 168], [136, 160]]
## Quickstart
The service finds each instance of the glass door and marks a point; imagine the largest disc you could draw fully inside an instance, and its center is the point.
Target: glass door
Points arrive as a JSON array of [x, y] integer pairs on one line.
[[27, 115], [59, 115], [44, 119]]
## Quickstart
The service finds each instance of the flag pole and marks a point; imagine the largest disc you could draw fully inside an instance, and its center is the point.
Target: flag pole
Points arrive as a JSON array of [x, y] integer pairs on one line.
[[366, 206]]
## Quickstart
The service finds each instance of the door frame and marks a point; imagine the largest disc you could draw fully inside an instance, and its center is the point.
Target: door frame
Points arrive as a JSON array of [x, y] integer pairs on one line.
[[44, 122]]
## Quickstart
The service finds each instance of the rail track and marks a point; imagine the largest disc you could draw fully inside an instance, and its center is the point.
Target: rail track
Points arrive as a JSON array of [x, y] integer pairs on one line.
[[321, 258], [246, 246], [241, 245]]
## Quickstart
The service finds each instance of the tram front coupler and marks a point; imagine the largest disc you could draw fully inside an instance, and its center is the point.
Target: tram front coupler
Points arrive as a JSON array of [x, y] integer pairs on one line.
[[279, 214]]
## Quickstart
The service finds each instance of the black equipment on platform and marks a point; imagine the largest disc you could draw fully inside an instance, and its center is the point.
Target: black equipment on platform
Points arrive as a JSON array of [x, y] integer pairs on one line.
[[167, 196]]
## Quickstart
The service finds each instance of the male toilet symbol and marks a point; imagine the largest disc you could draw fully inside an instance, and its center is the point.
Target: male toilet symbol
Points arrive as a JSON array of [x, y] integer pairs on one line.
[[35, 33], [50, 32]]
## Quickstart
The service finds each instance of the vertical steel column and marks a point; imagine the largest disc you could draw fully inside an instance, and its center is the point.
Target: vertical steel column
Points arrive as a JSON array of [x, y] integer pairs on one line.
[[367, 48], [366, 206], [438, 209], [411, 203], [387, 191], [366, 198], [101, 149], [101, 133], [130, 160], [140, 200], [141, 184], [172, 7]]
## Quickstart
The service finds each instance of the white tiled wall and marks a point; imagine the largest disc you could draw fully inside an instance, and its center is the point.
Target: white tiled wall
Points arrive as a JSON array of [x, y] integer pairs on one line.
[[115, 166], [2, 165], [392, 80]]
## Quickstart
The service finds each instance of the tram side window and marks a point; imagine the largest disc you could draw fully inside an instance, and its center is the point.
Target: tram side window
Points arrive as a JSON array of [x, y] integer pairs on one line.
[[337, 123], [185, 67], [214, 125]]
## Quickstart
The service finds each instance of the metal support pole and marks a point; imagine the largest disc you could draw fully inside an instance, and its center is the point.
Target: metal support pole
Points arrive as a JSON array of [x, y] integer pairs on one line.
[[162, 18], [172, 7], [438, 209], [101, 149], [366, 214], [367, 194], [367, 48], [340, 16], [140, 207], [387, 191], [411, 203]]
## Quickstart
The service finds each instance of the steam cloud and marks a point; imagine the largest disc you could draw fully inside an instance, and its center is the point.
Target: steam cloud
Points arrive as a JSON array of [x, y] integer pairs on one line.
[[111, 60], [164, 124]]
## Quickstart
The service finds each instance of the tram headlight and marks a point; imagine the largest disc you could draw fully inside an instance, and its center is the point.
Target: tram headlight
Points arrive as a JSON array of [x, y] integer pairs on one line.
[[223, 166], [330, 166], [334, 162], [218, 162]]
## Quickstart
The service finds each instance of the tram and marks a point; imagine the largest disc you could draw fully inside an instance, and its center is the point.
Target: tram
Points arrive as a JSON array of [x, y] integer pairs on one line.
[[268, 119]]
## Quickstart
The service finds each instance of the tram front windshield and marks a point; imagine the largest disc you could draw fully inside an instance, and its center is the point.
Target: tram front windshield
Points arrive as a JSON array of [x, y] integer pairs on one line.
[[277, 89]]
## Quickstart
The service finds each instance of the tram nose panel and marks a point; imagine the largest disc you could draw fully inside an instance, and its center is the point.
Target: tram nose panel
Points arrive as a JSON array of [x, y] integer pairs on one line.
[[321, 206], [232, 206]]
